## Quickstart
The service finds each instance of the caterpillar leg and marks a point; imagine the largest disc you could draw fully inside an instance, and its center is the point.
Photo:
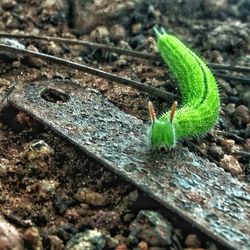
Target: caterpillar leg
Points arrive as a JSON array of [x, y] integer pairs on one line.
[[165, 149]]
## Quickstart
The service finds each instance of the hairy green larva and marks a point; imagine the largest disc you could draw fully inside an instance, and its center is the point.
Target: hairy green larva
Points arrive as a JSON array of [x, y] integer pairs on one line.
[[200, 97]]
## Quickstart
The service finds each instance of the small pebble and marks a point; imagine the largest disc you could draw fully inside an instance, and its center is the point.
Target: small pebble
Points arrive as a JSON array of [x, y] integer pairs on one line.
[[24, 118], [242, 115], [150, 45], [203, 146], [111, 242], [137, 42], [72, 214], [38, 153], [118, 32], [53, 49], [226, 87], [33, 61], [4, 82], [214, 6], [33, 238], [16, 64], [7, 5], [47, 188], [128, 200], [216, 151], [247, 144], [143, 245], [106, 220], [151, 227], [132, 196], [230, 164], [192, 241], [100, 33], [56, 243], [37, 150], [136, 28], [68, 35], [124, 45], [53, 5], [121, 247], [230, 108], [51, 31], [61, 204], [228, 145], [90, 239], [216, 56], [128, 217], [155, 12], [240, 88], [90, 197], [4, 165], [121, 62], [9, 236], [245, 96]]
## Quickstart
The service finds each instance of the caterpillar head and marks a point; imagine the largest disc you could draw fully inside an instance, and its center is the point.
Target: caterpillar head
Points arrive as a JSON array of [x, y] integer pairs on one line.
[[162, 132]]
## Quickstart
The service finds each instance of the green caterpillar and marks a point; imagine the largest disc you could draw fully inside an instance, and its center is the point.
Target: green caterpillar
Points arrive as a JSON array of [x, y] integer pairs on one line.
[[200, 97]]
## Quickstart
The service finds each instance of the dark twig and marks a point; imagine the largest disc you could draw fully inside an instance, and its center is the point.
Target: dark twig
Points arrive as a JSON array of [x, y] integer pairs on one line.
[[108, 76], [231, 135], [242, 154], [118, 50], [242, 80], [235, 68]]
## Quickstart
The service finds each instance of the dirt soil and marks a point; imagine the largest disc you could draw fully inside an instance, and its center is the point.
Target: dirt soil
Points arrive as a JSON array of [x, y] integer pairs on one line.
[[49, 190]]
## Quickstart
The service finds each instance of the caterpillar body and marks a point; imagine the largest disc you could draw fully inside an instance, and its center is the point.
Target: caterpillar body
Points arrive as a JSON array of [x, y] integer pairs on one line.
[[200, 97]]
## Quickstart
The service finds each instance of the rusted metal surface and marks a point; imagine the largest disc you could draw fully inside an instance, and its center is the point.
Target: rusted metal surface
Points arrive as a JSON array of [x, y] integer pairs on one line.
[[197, 190]]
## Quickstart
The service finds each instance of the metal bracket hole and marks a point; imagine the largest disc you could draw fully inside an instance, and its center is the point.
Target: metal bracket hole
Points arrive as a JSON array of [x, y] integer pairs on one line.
[[55, 96]]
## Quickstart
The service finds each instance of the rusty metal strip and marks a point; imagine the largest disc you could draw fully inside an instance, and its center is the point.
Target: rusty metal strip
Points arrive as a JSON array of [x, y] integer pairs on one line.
[[197, 190]]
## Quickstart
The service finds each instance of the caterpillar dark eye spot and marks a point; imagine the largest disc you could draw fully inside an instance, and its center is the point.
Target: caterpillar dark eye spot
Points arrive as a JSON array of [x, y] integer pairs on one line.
[[163, 149]]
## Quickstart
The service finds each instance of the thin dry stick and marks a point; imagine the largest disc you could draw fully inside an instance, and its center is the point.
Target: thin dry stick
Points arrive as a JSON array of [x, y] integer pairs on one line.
[[85, 44], [231, 135], [242, 154], [118, 50], [243, 80], [235, 68], [108, 76]]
